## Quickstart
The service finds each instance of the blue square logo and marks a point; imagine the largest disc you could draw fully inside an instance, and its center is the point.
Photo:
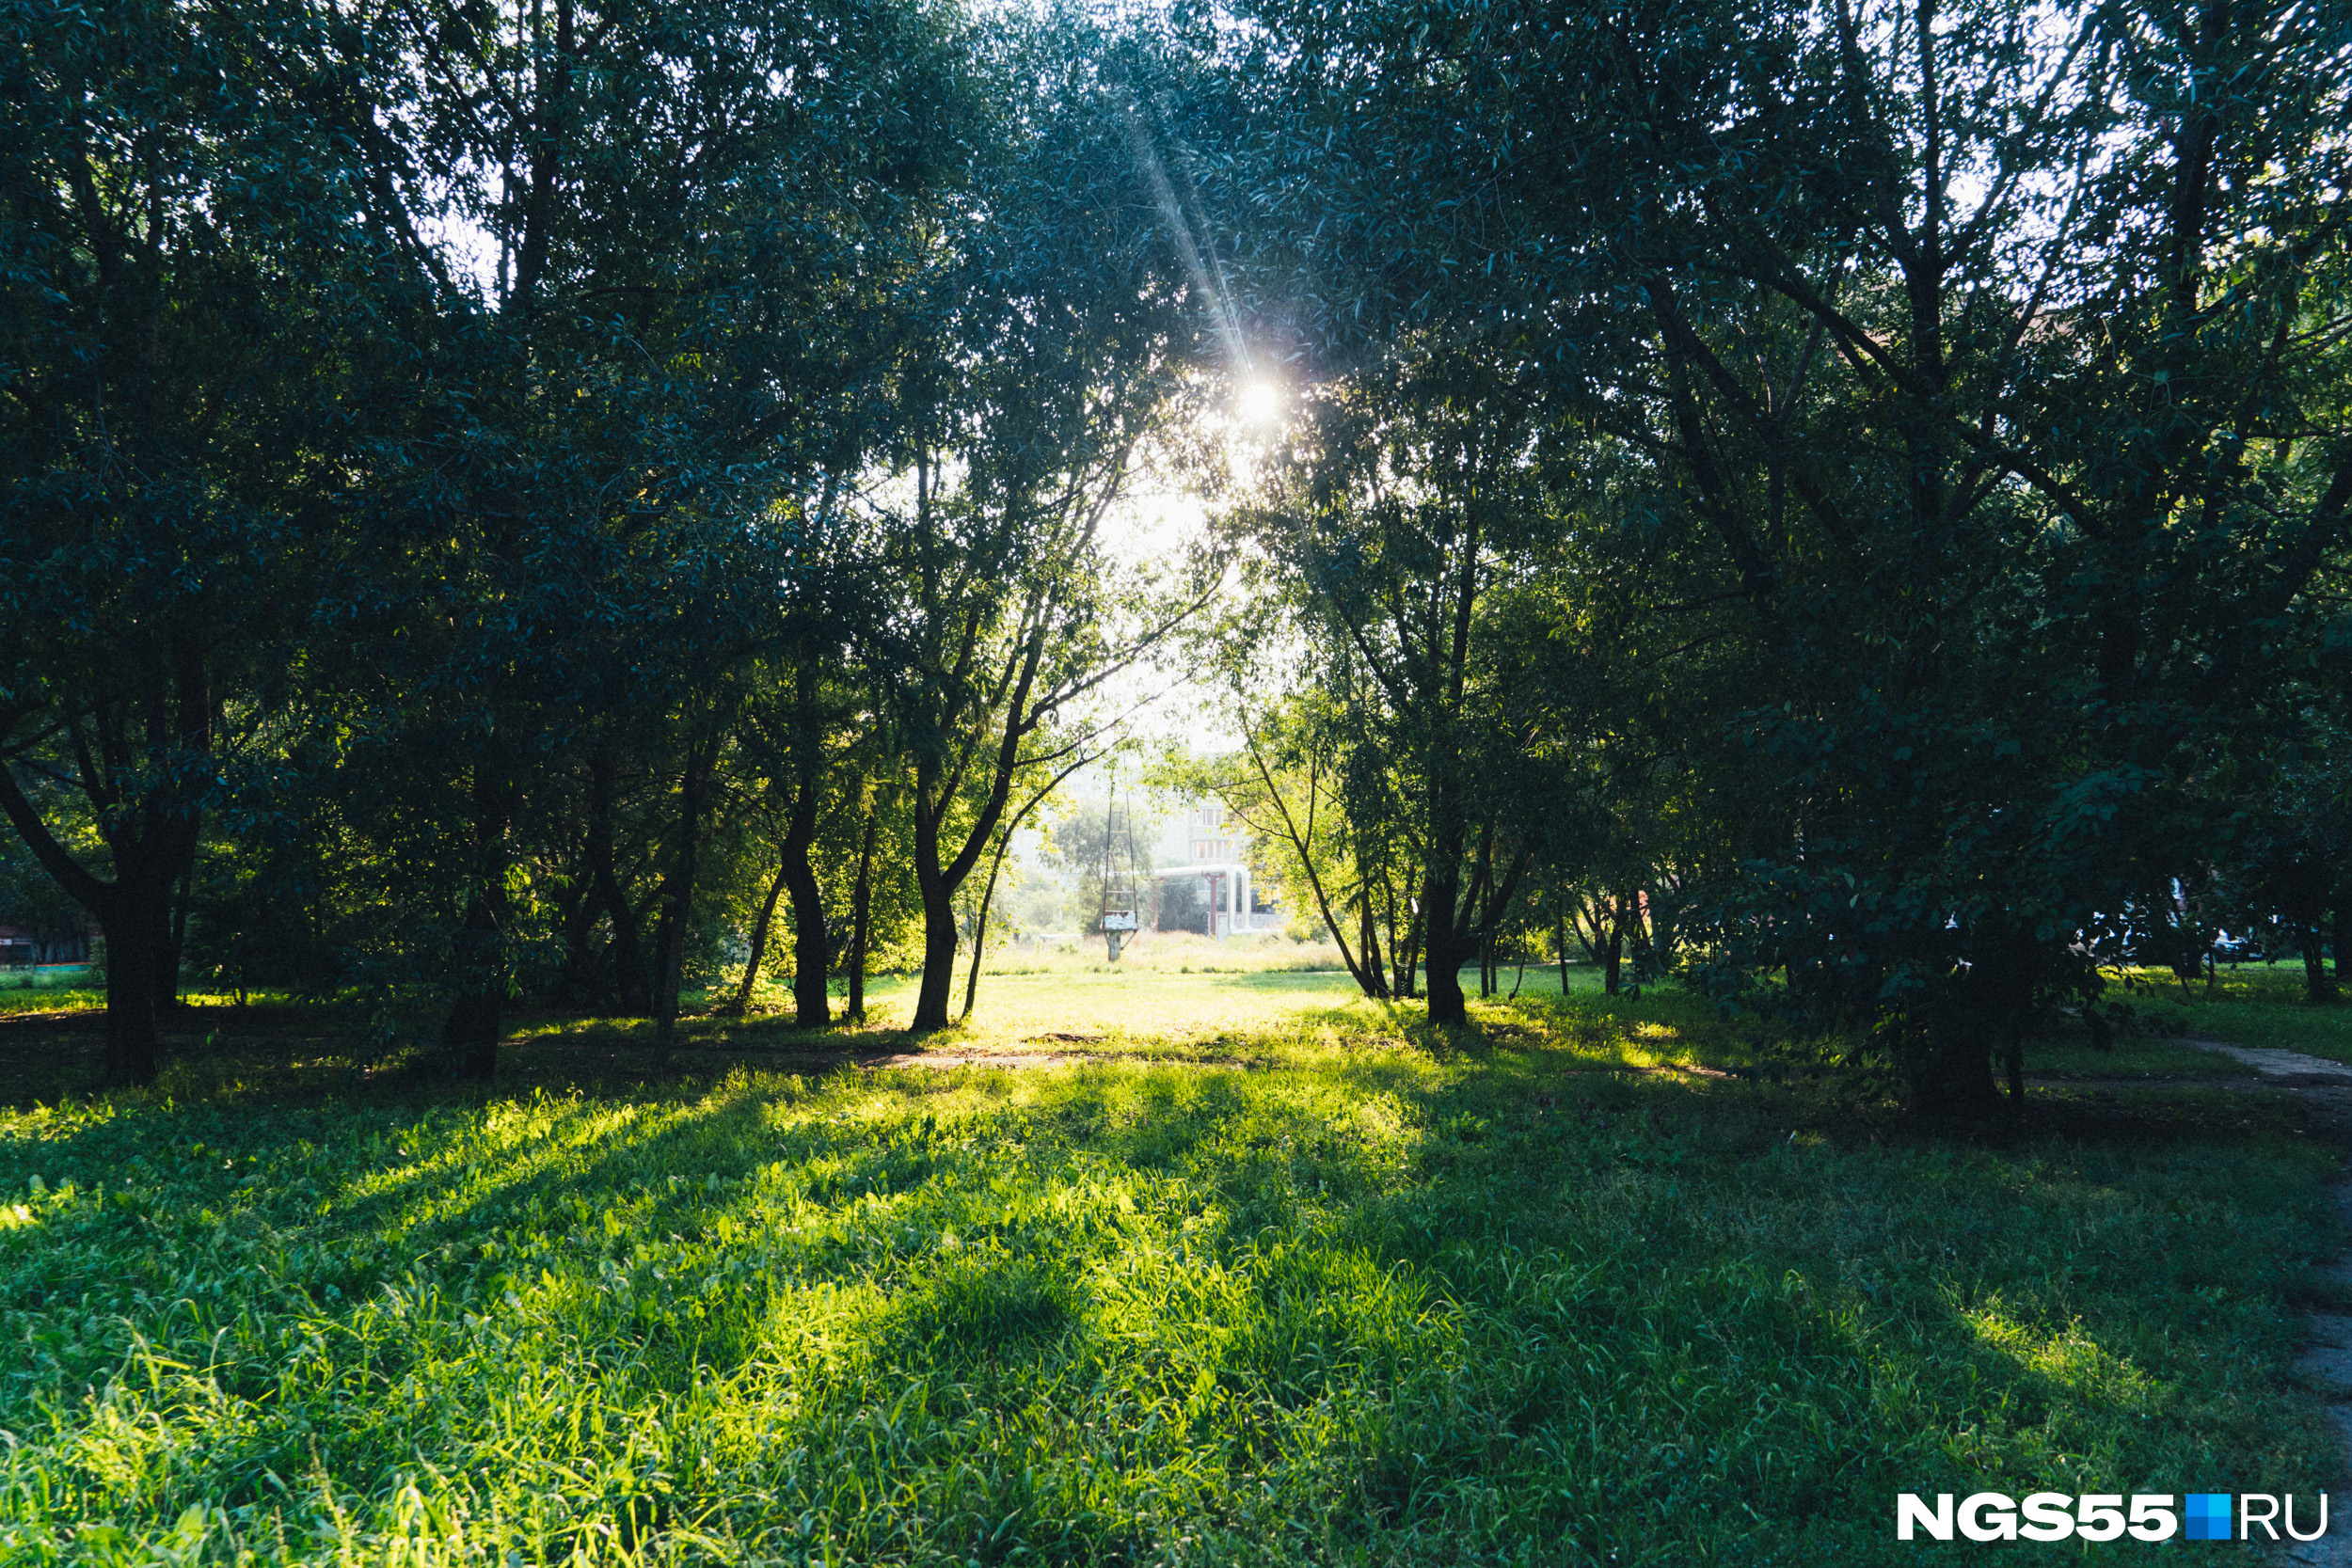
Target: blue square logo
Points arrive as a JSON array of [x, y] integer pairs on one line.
[[2208, 1516]]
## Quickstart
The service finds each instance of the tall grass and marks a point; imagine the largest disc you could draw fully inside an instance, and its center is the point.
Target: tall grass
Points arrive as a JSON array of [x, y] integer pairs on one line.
[[1394, 1303]]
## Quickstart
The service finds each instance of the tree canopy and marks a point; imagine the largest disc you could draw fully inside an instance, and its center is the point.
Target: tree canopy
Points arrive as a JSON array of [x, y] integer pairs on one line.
[[1846, 504]]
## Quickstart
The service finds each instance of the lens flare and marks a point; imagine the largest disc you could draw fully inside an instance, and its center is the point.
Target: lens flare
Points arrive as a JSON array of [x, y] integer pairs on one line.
[[1260, 403]]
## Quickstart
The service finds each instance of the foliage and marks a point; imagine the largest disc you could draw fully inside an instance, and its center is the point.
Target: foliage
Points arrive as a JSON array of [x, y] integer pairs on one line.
[[1092, 836], [479, 561], [542, 504], [1912, 445]]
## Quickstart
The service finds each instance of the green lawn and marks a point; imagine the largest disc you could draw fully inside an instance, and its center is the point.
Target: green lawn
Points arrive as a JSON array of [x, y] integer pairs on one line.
[[2258, 1005], [1283, 1280], [48, 998]]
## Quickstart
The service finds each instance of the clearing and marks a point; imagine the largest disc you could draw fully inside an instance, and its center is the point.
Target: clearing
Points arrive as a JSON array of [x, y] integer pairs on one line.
[[1273, 1275]]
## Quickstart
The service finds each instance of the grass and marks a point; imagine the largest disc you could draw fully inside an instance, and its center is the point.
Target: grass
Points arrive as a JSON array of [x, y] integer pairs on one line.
[[1166, 951], [1335, 1290], [2257, 1004], [48, 998], [2140, 1056], [1240, 1014]]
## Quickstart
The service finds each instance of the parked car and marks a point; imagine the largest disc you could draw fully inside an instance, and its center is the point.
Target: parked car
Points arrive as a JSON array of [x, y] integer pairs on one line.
[[2228, 949]]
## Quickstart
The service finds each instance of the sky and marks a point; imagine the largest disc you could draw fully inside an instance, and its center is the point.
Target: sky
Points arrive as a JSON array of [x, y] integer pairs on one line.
[[1156, 520]]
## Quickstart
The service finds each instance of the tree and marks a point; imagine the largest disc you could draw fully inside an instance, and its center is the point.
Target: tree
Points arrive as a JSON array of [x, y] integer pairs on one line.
[[1060, 338], [692, 212], [179, 262], [2056, 436], [1287, 786], [1918, 355], [1409, 495]]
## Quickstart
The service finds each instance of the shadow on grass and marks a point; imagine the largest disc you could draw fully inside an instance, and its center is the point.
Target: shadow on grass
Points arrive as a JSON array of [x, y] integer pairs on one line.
[[1431, 1291]]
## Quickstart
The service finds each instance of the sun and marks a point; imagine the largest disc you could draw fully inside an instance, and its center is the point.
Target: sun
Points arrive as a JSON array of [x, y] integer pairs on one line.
[[1260, 403]]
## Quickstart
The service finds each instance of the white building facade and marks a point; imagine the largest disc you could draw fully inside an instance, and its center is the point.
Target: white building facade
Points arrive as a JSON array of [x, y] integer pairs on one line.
[[1214, 848]]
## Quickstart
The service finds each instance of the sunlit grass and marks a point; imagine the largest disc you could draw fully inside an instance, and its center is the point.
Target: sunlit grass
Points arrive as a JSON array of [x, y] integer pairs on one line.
[[1334, 1288], [1173, 952], [1265, 1014], [16, 997], [1256, 1015], [2257, 1004], [1133, 1007]]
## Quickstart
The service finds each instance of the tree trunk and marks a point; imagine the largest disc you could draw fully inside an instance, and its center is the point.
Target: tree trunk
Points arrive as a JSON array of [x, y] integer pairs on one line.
[[1662, 933], [1560, 941], [2343, 929], [1486, 957], [1396, 918], [937, 884], [574, 903], [470, 1034], [811, 950], [1408, 957], [1374, 978], [939, 943], [133, 917], [1447, 953], [1947, 1064], [630, 975], [670, 975], [1635, 919], [1586, 923], [133, 928], [1612, 956], [151, 840], [760, 928], [1946, 1051], [860, 922], [175, 934], [1363, 966], [1003, 839], [193, 721], [678, 898], [979, 929], [2318, 986], [625, 956]]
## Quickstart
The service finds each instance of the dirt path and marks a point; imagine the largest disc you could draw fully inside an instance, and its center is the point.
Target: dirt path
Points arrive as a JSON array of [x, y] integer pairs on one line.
[[2326, 1087]]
